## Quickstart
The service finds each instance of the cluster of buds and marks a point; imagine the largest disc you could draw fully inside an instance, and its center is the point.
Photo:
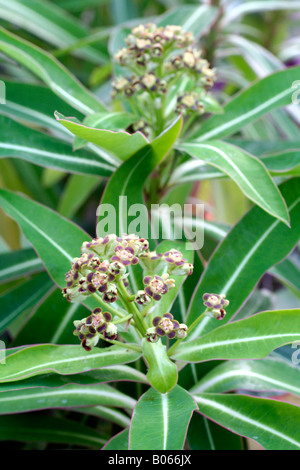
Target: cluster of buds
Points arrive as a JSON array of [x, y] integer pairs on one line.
[[166, 326], [101, 271], [192, 60], [188, 103], [148, 42], [215, 305], [154, 58], [102, 264], [88, 329]]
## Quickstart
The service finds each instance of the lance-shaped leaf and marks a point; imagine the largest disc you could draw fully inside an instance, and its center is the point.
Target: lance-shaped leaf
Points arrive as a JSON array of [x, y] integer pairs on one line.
[[117, 373], [255, 244], [271, 373], [56, 239], [49, 22], [120, 144], [64, 360], [17, 300], [263, 96], [274, 425], [247, 171], [162, 372], [44, 150], [33, 428], [164, 423], [50, 71], [118, 442], [251, 338], [16, 264], [68, 396], [36, 104]]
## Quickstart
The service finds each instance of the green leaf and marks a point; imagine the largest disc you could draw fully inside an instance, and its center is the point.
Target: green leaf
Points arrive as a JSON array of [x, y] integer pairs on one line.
[[115, 373], [16, 264], [274, 425], [76, 192], [283, 164], [120, 144], [271, 373], [164, 419], [190, 17], [288, 273], [68, 396], [251, 338], [259, 242], [103, 412], [44, 150], [50, 71], [56, 239], [247, 7], [272, 92], [162, 372], [53, 319], [109, 121], [51, 23], [65, 360], [118, 442], [247, 171], [204, 434], [36, 104], [33, 428], [17, 300]]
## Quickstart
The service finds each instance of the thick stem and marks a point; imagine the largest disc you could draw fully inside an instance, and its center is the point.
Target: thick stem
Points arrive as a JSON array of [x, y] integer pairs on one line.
[[131, 308]]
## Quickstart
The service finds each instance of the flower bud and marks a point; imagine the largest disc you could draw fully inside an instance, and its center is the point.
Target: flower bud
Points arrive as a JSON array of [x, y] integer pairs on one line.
[[111, 331], [142, 298], [166, 325], [151, 335]]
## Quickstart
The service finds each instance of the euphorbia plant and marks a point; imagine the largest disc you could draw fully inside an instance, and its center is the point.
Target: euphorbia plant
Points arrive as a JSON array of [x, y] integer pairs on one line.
[[125, 291]]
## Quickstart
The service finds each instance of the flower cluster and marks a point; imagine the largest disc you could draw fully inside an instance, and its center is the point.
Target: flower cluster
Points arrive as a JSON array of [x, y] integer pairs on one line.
[[101, 272], [166, 326], [156, 58], [88, 329], [215, 305]]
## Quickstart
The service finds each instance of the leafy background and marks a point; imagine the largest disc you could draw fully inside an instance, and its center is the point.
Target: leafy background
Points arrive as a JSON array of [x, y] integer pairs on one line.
[[55, 56]]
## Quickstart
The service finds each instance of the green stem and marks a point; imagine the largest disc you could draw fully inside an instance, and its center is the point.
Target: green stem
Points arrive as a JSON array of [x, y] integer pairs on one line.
[[191, 328], [122, 345], [123, 319], [110, 308], [130, 306]]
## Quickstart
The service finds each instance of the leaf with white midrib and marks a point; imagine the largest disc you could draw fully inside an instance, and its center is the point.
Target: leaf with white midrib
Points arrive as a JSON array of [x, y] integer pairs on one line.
[[65, 360], [273, 424], [167, 417], [264, 95], [252, 338], [67, 396], [271, 373]]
